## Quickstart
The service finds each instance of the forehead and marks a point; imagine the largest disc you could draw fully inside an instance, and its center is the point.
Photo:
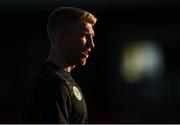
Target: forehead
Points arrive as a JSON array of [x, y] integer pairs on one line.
[[85, 28]]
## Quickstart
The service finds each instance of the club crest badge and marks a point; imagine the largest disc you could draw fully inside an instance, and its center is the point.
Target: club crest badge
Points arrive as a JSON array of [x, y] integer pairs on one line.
[[77, 93]]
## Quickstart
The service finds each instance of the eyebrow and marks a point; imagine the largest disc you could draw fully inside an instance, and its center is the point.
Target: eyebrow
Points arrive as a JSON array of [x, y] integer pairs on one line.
[[88, 33]]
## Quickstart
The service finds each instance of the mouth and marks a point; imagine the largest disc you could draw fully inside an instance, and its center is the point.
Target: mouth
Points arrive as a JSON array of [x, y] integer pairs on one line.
[[86, 53]]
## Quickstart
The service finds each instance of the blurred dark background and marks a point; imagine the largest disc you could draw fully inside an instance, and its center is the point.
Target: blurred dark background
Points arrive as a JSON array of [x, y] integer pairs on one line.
[[132, 75]]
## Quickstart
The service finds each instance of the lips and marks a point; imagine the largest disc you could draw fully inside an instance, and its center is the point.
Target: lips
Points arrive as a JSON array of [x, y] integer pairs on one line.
[[86, 53]]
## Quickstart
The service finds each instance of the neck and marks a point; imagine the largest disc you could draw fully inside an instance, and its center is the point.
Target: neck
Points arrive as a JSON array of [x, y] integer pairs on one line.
[[60, 61]]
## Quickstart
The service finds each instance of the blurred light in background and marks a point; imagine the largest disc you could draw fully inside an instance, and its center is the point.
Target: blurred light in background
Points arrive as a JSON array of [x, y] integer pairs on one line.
[[141, 59]]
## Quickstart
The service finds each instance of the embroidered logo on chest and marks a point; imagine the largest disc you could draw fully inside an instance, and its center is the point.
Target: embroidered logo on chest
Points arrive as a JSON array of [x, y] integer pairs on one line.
[[77, 93]]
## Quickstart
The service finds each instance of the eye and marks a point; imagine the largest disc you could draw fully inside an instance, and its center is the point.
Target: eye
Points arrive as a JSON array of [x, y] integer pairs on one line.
[[85, 36]]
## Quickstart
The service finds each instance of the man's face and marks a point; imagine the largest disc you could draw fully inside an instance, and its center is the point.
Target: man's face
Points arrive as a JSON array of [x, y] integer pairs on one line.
[[79, 44]]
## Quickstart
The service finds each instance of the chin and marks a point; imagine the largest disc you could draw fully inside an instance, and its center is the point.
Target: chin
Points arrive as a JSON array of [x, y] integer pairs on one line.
[[82, 62]]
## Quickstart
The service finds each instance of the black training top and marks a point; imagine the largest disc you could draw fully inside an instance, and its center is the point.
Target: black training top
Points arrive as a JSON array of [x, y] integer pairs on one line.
[[54, 97]]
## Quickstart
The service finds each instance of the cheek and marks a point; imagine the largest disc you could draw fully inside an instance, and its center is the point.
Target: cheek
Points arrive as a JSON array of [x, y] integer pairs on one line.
[[80, 44], [83, 41], [74, 50], [77, 46]]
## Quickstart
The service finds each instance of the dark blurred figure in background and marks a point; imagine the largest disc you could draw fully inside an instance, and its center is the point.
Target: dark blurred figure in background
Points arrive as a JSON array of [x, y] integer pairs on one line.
[[53, 96]]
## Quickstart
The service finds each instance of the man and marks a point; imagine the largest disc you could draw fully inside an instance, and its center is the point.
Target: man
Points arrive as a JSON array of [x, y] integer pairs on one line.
[[53, 95]]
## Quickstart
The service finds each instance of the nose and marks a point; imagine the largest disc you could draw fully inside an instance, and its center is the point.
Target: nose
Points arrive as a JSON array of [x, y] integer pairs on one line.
[[90, 43]]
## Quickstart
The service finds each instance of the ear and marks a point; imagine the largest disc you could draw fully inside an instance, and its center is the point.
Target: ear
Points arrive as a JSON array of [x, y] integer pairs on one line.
[[59, 38]]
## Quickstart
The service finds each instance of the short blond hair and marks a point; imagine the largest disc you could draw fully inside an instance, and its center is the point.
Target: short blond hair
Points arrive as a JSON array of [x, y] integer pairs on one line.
[[65, 15]]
